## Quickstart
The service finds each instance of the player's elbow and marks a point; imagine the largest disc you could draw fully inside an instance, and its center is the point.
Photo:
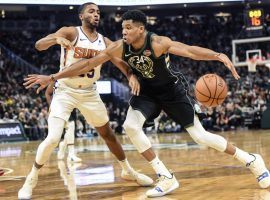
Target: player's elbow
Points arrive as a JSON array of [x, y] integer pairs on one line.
[[38, 46]]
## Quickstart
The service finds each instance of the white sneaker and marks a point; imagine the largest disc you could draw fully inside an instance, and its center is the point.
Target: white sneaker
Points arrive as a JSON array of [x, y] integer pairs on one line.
[[73, 158], [257, 167], [141, 179], [164, 186], [61, 151], [26, 191]]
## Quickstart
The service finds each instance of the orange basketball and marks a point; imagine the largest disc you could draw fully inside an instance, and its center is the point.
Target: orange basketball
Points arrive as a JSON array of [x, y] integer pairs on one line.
[[211, 90]]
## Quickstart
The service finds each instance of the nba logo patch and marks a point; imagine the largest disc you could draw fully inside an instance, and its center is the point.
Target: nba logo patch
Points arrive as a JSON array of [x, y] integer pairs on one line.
[[147, 52]]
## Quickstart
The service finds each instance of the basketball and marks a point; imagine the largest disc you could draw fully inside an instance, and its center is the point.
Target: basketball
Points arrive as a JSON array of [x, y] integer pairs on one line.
[[211, 90]]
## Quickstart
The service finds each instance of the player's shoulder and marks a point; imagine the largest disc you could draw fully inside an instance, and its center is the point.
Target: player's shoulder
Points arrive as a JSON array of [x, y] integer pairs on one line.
[[159, 39], [160, 44], [69, 32], [69, 28]]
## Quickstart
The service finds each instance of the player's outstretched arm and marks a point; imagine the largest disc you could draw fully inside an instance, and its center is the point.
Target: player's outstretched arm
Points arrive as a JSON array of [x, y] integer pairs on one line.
[[84, 66], [80, 67], [195, 53], [63, 37], [117, 61], [124, 68], [127, 71]]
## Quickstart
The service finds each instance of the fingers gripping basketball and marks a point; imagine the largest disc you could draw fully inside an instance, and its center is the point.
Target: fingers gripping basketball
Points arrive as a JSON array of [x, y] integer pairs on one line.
[[211, 90]]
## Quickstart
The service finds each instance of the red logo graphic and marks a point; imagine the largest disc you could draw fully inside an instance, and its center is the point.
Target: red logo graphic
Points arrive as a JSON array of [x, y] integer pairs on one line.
[[147, 52]]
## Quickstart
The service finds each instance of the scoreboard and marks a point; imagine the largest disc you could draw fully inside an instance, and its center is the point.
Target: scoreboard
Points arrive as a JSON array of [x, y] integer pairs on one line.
[[254, 19]]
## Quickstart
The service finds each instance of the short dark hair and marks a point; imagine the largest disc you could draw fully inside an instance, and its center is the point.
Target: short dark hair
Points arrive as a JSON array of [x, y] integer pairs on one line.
[[83, 6], [135, 16]]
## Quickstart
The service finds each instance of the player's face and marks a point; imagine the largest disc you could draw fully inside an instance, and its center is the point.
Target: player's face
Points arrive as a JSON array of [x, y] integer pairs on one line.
[[131, 31], [91, 15]]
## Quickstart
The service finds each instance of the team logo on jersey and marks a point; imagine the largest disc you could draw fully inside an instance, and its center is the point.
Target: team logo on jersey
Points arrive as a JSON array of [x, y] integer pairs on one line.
[[143, 64], [80, 52], [147, 52]]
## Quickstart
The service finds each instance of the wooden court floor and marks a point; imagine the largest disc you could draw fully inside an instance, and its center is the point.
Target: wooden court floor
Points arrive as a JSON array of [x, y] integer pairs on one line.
[[204, 174]]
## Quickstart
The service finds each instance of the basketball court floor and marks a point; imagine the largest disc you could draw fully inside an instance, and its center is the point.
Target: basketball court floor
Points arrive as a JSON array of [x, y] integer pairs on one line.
[[204, 173]]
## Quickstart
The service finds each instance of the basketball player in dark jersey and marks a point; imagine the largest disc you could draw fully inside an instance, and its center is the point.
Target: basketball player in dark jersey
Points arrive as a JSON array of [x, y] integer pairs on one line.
[[148, 56]]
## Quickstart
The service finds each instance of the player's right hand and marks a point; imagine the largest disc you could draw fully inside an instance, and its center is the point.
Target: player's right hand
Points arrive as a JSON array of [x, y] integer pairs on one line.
[[228, 63], [36, 79], [64, 42], [134, 85]]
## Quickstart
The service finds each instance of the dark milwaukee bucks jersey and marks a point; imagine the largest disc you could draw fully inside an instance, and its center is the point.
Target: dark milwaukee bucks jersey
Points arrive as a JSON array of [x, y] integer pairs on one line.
[[153, 72]]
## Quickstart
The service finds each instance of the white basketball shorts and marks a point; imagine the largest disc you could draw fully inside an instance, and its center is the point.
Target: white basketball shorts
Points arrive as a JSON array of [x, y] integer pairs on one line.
[[88, 102]]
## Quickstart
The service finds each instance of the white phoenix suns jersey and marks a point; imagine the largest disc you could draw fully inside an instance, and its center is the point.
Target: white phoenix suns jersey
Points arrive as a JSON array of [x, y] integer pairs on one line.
[[83, 49]]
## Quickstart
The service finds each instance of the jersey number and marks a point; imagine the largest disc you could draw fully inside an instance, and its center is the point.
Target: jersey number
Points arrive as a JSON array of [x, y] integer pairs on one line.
[[90, 74]]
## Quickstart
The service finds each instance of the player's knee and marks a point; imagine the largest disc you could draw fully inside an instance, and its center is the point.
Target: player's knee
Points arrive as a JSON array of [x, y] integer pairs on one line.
[[51, 142], [131, 128], [56, 127], [199, 139], [199, 136]]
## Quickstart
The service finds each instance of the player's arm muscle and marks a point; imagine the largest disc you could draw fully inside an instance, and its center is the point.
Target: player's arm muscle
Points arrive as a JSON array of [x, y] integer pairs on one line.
[[68, 33], [184, 50], [119, 63], [122, 66], [195, 53]]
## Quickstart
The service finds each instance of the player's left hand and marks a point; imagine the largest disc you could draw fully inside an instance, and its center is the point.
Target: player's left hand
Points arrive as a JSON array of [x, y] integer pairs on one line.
[[36, 79], [134, 85], [228, 63]]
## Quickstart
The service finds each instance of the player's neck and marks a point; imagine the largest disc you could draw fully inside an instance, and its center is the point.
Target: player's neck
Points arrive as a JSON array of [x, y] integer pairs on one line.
[[91, 32], [140, 42]]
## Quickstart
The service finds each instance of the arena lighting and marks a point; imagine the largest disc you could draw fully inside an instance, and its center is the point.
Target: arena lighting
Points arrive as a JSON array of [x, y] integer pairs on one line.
[[111, 2], [3, 14], [222, 14]]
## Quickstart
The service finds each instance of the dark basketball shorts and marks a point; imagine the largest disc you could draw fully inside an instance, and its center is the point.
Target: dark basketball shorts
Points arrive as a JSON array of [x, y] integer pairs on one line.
[[178, 105]]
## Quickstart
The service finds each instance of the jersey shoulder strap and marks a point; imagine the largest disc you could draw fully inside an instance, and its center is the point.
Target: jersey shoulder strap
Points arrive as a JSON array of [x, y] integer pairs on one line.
[[125, 49]]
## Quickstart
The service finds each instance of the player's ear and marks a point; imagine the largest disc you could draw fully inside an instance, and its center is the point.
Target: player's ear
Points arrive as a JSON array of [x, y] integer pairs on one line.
[[142, 28], [81, 17]]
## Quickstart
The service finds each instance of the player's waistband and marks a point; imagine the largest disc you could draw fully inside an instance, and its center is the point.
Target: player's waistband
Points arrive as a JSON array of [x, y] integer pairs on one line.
[[74, 87]]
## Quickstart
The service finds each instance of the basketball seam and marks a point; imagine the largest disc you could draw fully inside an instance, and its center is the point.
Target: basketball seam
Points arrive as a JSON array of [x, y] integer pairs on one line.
[[214, 93], [208, 96], [221, 92], [207, 87], [203, 94]]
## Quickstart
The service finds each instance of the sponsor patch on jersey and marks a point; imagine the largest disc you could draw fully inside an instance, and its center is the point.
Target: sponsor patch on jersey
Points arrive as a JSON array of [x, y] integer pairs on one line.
[[147, 52]]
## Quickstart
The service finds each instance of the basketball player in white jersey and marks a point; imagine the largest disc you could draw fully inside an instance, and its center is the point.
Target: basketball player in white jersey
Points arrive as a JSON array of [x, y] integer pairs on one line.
[[69, 137], [80, 92]]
